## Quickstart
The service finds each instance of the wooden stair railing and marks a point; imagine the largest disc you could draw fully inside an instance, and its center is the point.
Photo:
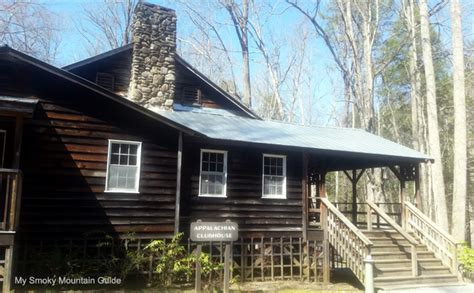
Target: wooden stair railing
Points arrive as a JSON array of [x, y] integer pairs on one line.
[[438, 241], [349, 242], [413, 242], [10, 191], [10, 198]]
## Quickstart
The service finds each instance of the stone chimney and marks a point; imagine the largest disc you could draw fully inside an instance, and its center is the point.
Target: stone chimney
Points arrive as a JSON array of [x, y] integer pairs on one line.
[[152, 81]]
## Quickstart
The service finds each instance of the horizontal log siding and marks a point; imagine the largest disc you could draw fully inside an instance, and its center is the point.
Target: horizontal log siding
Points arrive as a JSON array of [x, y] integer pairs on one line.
[[64, 160], [244, 203]]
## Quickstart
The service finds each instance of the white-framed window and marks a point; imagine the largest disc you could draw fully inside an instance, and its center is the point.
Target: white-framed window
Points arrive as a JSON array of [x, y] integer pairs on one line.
[[274, 176], [123, 166], [213, 173]]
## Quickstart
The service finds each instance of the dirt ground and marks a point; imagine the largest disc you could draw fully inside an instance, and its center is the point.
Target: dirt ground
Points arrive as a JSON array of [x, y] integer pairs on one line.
[[341, 281], [292, 286]]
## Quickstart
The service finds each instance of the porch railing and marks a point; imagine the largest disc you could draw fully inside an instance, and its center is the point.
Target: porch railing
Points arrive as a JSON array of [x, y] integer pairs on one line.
[[10, 191], [347, 240], [413, 242], [437, 240], [393, 209]]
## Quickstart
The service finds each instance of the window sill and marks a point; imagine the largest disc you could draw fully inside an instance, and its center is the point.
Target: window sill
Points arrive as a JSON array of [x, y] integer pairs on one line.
[[122, 191], [273, 197], [212, 196]]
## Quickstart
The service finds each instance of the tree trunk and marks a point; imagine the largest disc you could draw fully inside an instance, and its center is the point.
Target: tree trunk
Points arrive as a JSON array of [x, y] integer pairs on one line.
[[437, 178], [418, 123], [245, 54], [240, 19], [460, 140]]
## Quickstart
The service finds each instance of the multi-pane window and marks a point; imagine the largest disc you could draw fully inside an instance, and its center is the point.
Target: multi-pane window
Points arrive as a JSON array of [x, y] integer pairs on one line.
[[274, 176], [123, 166], [213, 173]]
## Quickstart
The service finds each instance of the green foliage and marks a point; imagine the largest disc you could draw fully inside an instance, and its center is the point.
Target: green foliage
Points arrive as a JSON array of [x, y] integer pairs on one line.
[[173, 263], [466, 258], [209, 270]]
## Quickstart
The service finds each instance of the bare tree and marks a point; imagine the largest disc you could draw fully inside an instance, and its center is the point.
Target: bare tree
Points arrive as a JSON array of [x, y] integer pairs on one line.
[[206, 47], [240, 17], [418, 119], [30, 27], [460, 131], [106, 25], [271, 49], [437, 178]]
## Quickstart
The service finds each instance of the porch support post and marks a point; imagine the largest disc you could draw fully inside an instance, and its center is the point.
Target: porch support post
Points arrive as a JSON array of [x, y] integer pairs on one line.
[[402, 200], [322, 185], [17, 141], [304, 195], [354, 197], [177, 205], [326, 263], [398, 174], [417, 186], [354, 178]]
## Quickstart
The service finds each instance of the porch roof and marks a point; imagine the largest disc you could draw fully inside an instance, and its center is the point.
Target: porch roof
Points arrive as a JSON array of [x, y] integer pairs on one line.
[[230, 127]]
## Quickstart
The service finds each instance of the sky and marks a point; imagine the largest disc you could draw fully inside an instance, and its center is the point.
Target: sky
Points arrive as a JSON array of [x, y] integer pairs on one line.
[[327, 87]]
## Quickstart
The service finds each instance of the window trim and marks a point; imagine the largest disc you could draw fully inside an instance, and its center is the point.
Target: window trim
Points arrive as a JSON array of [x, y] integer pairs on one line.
[[272, 196], [139, 161], [224, 169]]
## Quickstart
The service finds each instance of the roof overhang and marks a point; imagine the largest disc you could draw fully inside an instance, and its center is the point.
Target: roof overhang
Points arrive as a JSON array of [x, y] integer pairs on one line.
[[15, 106], [331, 147], [15, 58]]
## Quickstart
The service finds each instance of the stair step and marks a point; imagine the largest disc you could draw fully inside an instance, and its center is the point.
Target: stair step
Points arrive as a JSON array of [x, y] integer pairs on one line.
[[392, 263], [397, 248], [381, 282], [425, 287], [392, 272], [384, 233], [394, 238], [406, 271], [393, 254], [388, 240]]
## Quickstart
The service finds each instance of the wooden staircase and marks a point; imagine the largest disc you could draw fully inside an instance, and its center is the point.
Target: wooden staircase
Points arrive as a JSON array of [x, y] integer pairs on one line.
[[418, 253], [391, 254]]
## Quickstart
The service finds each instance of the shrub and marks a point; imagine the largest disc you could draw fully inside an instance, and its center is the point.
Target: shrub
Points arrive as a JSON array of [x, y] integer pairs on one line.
[[466, 258], [173, 263]]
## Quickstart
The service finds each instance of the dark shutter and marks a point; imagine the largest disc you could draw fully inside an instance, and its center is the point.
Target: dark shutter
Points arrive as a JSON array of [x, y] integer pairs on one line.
[[105, 80], [192, 95]]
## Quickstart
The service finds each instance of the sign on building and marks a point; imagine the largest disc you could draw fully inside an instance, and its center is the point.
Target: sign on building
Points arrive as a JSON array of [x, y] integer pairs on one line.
[[214, 231]]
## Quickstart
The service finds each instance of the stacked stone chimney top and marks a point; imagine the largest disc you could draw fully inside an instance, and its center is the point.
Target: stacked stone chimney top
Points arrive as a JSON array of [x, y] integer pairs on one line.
[[152, 82]]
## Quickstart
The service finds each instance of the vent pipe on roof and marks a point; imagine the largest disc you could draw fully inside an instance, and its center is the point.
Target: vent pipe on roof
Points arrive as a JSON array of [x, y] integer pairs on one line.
[[152, 82]]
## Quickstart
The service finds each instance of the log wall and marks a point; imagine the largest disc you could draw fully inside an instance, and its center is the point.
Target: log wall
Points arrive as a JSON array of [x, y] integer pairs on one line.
[[64, 160], [244, 203]]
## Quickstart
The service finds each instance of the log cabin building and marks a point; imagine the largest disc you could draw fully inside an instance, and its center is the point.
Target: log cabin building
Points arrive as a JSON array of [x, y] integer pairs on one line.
[[137, 140]]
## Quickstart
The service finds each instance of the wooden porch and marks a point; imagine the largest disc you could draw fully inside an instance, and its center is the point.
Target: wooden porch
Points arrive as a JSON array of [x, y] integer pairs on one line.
[[383, 249]]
